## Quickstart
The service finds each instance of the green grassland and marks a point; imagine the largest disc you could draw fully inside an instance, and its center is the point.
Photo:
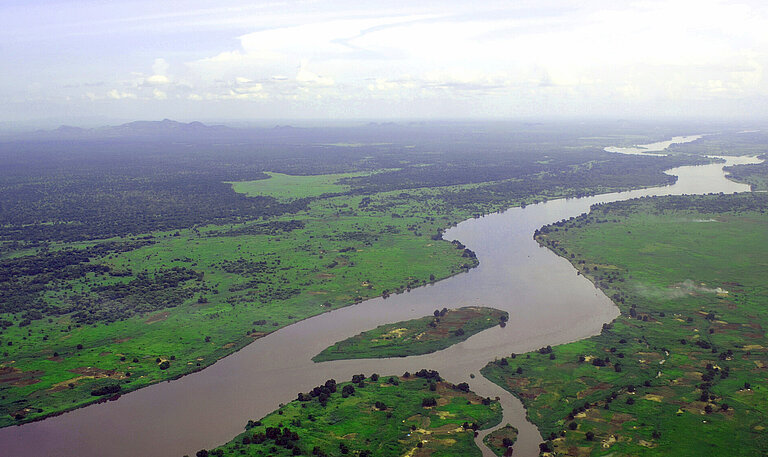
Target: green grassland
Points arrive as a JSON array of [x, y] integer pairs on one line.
[[415, 415], [288, 187], [416, 336], [683, 370], [500, 441]]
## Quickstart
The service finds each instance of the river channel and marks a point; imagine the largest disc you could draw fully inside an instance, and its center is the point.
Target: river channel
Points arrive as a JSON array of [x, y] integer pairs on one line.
[[547, 302]]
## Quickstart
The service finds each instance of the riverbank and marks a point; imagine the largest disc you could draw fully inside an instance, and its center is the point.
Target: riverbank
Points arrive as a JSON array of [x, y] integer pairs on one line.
[[680, 372]]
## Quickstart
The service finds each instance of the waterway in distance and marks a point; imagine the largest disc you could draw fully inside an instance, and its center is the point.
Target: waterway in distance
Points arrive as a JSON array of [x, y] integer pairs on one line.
[[548, 304]]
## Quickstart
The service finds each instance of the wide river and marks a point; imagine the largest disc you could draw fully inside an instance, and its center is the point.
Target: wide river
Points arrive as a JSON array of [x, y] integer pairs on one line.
[[547, 302]]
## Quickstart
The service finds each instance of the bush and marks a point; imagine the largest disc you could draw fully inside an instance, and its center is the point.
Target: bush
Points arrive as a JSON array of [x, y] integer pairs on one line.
[[106, 390]]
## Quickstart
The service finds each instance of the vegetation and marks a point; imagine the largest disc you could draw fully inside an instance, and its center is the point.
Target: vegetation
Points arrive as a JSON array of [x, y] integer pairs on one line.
[[132, 261], [756, 175], [416, 336], [417, 415], [500, 441], [286, 188], [682, 371]]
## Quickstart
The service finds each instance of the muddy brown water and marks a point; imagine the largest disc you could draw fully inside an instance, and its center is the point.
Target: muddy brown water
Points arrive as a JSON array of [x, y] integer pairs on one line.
[[547, 302]]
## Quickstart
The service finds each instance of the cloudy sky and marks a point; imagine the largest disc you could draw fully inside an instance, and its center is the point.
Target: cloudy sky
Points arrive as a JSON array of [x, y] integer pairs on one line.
[[273, 59]]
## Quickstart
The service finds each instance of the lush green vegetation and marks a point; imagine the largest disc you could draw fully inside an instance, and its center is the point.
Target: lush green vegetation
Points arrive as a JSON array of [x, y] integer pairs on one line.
[[125, 262], [285, 188], [756, 175], [416, 336], [500, 441], [683, 370], [415, 415]]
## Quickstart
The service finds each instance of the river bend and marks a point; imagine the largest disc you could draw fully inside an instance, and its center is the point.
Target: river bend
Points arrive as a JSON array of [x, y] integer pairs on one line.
[[548, 304]]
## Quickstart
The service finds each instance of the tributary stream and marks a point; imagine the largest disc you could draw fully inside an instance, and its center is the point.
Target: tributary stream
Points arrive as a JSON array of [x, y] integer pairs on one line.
[[548, 304]]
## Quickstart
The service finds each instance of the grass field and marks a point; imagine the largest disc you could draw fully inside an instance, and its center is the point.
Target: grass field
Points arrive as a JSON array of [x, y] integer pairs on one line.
[[416, 336], [288, 187], [683, 370], [384, 416]]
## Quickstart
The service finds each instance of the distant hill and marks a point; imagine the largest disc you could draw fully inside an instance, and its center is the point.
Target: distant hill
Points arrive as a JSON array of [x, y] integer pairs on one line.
[[151, 130]]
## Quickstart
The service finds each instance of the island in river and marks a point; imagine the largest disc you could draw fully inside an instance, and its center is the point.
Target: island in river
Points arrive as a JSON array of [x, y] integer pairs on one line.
[[425, 335]]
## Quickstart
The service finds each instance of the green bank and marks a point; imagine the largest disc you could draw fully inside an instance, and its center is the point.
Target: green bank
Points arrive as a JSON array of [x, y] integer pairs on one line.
[[414, 414], [683, 370]]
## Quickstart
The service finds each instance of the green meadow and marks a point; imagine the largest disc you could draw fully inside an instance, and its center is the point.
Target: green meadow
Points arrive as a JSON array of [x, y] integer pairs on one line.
[[683, 370], [415, 414], [288, 187], [416, 336]]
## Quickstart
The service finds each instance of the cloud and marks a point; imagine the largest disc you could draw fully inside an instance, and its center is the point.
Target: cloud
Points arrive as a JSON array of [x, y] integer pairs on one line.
[[445, 58], [157, 80], [306, 76], [160, 66], [119, 95]]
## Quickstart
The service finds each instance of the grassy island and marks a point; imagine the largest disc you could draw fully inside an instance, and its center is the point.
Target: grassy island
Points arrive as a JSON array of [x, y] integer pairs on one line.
[[415, 414], [500, 441], [416, 336], [683, 371]]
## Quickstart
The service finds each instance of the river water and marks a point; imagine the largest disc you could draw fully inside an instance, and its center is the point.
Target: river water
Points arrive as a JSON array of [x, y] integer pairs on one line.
[[547, 302]]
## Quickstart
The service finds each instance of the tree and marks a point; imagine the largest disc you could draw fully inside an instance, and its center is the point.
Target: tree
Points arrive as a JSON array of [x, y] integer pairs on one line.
[[347, 390], [590, 436]]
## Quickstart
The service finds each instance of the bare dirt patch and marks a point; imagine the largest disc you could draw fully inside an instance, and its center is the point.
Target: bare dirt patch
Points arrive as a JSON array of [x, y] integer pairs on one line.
[[93, 372], [157, 317], [16, 377]]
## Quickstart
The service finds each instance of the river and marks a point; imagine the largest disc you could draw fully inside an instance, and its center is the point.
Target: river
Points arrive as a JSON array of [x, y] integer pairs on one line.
[[548, 304]]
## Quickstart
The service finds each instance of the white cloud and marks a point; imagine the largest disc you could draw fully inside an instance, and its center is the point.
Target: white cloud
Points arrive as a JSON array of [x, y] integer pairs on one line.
[[521, 57], [306, 76], [160, 66], [119, 95], [157, 80]]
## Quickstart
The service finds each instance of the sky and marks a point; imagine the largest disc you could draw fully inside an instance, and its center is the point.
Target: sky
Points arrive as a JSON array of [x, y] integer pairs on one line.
[[79, 61]]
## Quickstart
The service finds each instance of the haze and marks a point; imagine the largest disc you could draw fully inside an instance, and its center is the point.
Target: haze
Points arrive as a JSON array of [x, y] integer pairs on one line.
[[99, 60]]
